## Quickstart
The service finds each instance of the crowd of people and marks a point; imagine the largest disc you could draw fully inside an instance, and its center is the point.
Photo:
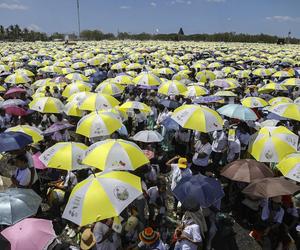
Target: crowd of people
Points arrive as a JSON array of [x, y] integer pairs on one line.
[[157, 219]]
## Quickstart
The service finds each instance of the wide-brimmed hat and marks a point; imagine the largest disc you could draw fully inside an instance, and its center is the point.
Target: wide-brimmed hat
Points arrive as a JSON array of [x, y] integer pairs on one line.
[[88, 239], [182, 162], [149, 236]]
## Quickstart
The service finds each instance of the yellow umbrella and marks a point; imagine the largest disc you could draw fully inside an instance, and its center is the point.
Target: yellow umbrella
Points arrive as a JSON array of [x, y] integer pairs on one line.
[[198, 117], [123, 79], [278, 99], [288, 110], [172, 88], [98, 101], [17, 78], [102, 196], [254, 102], [132, 105], [291, 82], [64, 155], [115, 155], [225, 93], [98, 124], [75, 88], [289, 166], [205, 75], [272, 87], [47, 105], [271, 144], [195, 90], [72, 109], [34, 132], [147, 79], [110, 88], [77, 77]]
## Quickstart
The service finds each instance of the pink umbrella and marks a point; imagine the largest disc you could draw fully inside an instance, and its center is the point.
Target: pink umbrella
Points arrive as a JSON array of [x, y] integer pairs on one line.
[[16, 111], [36, 161], [14, 92], [30, 234]]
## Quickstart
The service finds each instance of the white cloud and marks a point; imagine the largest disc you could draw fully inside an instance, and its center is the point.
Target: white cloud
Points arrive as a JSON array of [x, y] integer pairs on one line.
[[153, 4], [216, 1], [14, 6], [283, 18], [125, 7], [188, 2], [34, 27]]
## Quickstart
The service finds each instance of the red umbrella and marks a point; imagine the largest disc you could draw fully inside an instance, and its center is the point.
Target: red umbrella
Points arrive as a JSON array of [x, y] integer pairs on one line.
[[14, 92], [246, 170], [16, 111]]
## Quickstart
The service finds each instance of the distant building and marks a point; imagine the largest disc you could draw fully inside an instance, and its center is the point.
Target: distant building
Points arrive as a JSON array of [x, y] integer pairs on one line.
[[180, 32]]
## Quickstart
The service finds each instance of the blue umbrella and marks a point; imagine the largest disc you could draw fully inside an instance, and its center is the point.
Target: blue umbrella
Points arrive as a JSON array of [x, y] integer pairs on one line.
[[238, 111], [170, 124], [10, 141], [169, 103], [198, 191]]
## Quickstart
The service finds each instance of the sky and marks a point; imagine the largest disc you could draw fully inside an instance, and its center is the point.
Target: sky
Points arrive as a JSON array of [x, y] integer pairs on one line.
[[275, 17]]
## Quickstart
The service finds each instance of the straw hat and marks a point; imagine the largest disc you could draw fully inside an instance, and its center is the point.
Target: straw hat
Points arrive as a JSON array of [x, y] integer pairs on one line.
[[88, 239], [149, 236], [182, 162]]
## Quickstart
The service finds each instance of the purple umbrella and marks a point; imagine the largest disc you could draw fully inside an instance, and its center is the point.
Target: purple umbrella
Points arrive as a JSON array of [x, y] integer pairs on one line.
[[57, 127]]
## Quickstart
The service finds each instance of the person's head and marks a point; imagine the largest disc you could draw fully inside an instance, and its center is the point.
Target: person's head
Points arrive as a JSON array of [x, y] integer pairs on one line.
[[148, 236], [204, 138], [21, 161]]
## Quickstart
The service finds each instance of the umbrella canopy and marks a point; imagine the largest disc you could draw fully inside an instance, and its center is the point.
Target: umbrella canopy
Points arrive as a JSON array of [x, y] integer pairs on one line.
[[58, 126], [98, 101], [272, 87], [98, 124], [238, 111], [17, 204], [17, 78], [271, 144], [64, 155], [110, 88], [30, 234], [172, 88], [246, 170], [271, 187], [279, 99], [291, 82], [198, 191], [10, 141], [289, 166], [148, 136], [14, 92], [115, 155], [123, 79], [102, 196], [34, 132], [287, 110], [47, 105], [12, 103], [16, 111], [75, 88], [72, 109], [132, 105], [195, 90], [254, 102], [77, 77], [147, 79], [198, 117], [225, 93]]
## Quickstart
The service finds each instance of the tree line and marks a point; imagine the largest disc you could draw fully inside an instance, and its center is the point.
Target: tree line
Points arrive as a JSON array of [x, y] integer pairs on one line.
[[15, 33]]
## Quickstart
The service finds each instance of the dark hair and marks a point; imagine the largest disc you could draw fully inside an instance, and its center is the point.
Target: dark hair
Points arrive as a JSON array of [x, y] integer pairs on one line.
[[21, 157]]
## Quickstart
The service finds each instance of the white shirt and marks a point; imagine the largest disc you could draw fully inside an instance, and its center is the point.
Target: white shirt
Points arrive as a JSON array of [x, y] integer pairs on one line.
[[99, 231], [192, 232], [234, 147], [178, 174], [202, 148], [220, 141]]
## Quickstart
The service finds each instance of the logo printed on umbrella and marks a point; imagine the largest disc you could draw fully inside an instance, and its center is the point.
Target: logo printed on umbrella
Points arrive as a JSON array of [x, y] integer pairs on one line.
[[269, 154], [121, 193]]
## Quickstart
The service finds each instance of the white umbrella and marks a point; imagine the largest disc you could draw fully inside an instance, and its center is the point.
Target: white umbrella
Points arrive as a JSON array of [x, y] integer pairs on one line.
[[148, 136]]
